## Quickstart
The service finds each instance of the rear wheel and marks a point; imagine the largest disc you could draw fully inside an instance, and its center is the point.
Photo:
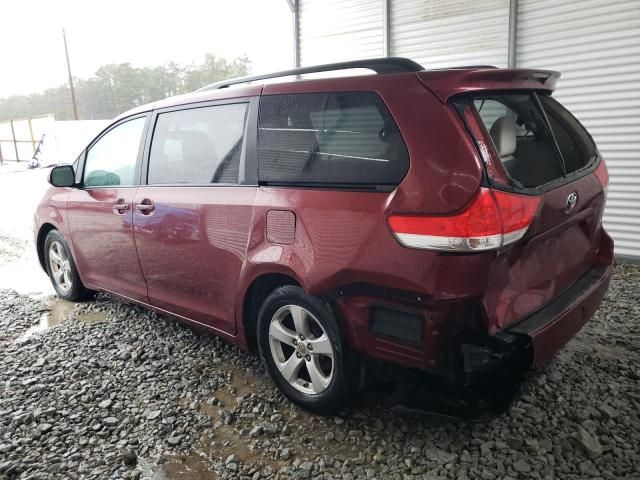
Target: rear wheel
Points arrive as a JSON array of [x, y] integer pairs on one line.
[[301, 348], [62, 269]]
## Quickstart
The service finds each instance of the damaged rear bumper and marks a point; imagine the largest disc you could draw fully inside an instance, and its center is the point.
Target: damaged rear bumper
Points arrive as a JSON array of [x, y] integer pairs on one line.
[[535, 339], [551, 327]]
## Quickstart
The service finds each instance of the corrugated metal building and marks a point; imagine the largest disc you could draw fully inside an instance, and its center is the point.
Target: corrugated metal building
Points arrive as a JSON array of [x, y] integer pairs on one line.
[[594, 43]]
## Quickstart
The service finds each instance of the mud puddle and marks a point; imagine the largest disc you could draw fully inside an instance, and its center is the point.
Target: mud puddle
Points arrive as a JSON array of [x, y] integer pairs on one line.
[[223, 440], [241, 383], [90, 318], [60, 311], [244, 382], [335, 437], [186, 467]]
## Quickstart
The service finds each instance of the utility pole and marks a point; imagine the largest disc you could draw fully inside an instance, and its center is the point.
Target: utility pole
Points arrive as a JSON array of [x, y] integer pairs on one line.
[[73, 93]]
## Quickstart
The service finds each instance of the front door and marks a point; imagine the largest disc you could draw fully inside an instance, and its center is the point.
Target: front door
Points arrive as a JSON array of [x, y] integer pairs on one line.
[[192, 220], [100, 212]]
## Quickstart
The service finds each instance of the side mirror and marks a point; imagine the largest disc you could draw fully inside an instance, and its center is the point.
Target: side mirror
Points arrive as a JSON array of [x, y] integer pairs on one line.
[[62, 176]]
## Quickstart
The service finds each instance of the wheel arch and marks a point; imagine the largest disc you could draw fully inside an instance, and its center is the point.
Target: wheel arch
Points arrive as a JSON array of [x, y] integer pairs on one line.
[[45, 228], [257, 291]]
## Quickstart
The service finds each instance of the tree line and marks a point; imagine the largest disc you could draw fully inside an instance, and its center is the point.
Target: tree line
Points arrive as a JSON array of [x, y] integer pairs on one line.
[[116, 88]]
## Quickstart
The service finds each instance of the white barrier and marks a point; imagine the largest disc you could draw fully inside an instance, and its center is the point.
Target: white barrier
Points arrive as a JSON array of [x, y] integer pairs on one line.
[[59, 141]]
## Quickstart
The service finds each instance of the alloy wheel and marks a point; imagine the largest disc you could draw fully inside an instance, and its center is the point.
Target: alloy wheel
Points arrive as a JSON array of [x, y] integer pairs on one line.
[[301, 349], [60, 266]]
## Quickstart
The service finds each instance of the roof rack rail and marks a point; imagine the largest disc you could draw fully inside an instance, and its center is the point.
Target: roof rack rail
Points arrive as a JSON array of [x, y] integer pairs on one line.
[[378, 65]]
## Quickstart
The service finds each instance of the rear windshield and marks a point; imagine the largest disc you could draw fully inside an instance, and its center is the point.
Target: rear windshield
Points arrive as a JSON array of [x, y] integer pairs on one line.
[[537, 139], [329, 139]]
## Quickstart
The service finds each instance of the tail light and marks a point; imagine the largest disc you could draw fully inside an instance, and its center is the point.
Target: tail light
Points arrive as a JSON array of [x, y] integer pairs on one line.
[[492, 220], [602, 174]]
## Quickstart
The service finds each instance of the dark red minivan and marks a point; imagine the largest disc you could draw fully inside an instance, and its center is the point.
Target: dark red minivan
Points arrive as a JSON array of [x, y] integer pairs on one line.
[[444, 220]]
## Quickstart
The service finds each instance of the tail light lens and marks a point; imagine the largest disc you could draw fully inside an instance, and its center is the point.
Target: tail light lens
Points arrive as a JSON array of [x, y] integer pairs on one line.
[[492, 220], [602, 174]]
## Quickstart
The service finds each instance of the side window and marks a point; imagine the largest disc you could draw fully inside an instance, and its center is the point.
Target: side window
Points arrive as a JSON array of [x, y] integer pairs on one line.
[[198, 145], [112, 159], [346, 138]]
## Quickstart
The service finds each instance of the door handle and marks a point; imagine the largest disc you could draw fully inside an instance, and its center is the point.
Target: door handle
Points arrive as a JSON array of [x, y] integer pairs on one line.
[[120, 207], [145, 207]]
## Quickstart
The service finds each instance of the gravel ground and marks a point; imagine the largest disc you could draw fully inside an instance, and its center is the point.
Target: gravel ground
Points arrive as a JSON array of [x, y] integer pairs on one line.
[[106, 389], [116, 391]]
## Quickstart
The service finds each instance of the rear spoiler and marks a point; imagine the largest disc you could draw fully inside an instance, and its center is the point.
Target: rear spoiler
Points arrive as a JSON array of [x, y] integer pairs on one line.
[[447, 83]]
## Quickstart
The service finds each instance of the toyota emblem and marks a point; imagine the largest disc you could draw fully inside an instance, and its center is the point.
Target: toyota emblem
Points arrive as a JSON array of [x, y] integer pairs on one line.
[[572, 199]]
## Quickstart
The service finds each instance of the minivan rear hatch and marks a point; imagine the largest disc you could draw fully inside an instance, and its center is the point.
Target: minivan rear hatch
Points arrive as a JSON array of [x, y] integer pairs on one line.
[[533, 147]]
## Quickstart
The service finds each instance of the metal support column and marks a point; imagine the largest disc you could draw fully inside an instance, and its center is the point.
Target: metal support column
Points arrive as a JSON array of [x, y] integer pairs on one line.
[[513, 33], [386, 28], [293, 5]]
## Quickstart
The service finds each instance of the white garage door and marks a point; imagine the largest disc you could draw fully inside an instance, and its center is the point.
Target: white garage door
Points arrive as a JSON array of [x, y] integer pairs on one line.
[[596, 46], [444, 33], [337, 30]]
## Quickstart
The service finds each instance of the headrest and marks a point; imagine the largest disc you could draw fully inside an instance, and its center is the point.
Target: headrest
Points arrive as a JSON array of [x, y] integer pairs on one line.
[[503, 133], [197, 147]]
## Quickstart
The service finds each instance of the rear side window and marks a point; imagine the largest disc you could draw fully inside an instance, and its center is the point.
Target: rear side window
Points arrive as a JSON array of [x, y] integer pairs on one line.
[[198, 146], [537, 139], [336, 139]]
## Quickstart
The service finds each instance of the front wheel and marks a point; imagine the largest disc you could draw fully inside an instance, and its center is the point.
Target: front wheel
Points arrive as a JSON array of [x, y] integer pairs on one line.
[[62, 269], [301, 348]]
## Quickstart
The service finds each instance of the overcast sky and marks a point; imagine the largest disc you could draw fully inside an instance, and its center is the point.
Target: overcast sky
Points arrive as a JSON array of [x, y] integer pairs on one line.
[[141, 32]]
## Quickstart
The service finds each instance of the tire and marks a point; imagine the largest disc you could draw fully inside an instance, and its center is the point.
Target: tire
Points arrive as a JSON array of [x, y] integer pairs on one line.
[[314, 378], [62, 269]]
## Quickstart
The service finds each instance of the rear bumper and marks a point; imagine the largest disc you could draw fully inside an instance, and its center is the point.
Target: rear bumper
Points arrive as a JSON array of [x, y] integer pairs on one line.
[[551, 327], [417, 335], [451, 339]]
